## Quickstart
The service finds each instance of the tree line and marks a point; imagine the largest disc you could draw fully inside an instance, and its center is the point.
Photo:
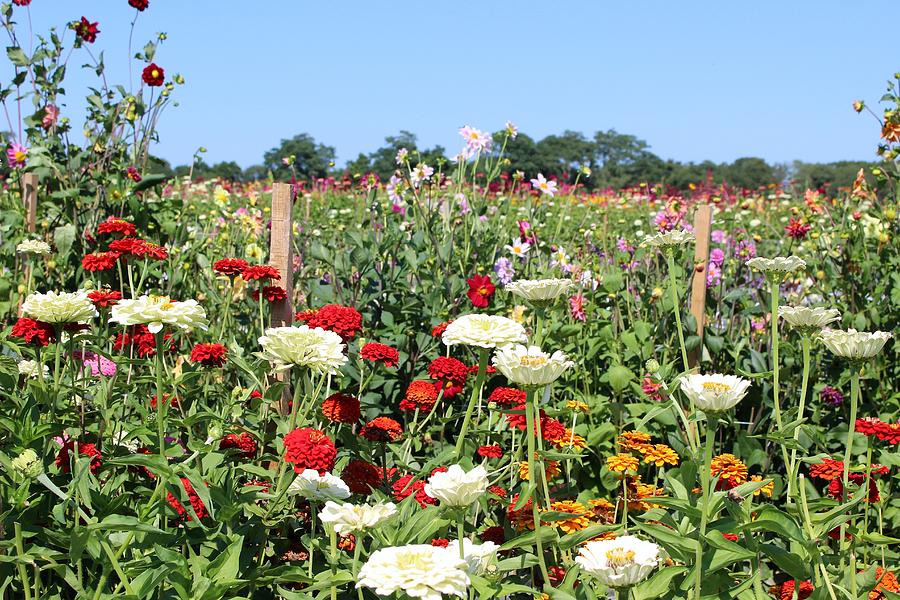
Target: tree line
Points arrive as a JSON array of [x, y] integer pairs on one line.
[[616, 160]]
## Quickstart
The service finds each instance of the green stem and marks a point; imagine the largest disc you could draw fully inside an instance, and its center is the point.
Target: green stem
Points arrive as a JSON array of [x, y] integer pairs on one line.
[[461, 532], [20, 553], [160, 402], [775, 291], [711, 424], [529, 423], [332, 538], [356, 551], [476, 394], [848, 455], [670, 256], [792, 470]]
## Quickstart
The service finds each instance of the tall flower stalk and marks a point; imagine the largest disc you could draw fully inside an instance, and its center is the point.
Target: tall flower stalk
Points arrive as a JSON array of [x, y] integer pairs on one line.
[[532, 479], [473, 400]]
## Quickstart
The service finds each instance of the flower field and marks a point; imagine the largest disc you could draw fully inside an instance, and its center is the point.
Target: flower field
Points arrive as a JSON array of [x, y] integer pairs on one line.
[[488, 384]]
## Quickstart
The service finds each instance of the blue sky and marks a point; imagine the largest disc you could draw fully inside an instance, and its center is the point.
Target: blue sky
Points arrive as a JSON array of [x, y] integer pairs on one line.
[[696, 79]]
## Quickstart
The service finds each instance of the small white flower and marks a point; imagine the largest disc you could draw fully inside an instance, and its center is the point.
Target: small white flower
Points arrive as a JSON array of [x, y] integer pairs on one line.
[[622, 562], [312, 486], [548, 188], [529, 366], [668, 239], [157, 311], [540, 289], [806, 318], [714, 393], [419, 570], [59, 307], [33, 247], [852, 344], [33, 369], [319, 350], [455, 487], [478, 557], [484, 331], [347, 518], [518, 248]]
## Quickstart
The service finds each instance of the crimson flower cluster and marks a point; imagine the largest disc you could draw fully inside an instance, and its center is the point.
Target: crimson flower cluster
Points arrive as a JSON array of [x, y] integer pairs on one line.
[[84, 449], [308, 448], [342, 320], [382, 353], [449, 374], [33, 332], [196, 502], [209, 355], [139, 338], [875, 427]]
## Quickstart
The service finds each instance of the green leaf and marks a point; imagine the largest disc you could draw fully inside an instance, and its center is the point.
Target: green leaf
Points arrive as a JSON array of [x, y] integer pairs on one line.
[[790, 563], [619, 377], [123, 523], [657, 585], [63, 238], [17, 56], [149, 181]]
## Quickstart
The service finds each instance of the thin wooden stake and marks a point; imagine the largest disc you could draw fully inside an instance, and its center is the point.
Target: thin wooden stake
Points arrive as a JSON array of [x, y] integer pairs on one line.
[[29, 199], [281, 257], [702, 226]]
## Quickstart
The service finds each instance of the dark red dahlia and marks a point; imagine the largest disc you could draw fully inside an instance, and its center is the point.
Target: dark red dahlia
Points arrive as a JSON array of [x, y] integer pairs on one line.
[[100, 261], [230, 266], [494, 534], [341, 408], [86, 30], [115, 225], [153, 75], [481, 290], [382, 353], [342, 320], [382, 429], [797, 229], [209, 355], [272, 293], [361, 477], [133, 174], [420, 395], [36, 333], [84, 449], [243, 442], [308, 448], [105, 298], [260, 273], [141, 5]]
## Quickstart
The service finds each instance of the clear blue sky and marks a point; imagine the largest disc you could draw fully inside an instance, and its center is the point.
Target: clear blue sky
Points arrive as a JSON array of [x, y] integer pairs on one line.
[[696, 79]]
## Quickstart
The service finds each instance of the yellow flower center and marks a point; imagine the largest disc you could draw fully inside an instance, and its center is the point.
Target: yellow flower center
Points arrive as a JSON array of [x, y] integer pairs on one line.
[[533, 361], [619, 557], [716, 387], [20, 156], [164, 302], [155, 73]]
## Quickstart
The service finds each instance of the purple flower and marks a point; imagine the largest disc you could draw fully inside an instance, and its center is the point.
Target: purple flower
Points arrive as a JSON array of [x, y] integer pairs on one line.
[[713, 274], [717, 257], [504, 270], [718, 236], [832, 396], [745, 250], [623, 245]]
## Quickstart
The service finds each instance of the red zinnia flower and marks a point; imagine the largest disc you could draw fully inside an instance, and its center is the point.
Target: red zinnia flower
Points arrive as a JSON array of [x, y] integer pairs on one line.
[[272, 293], [382, 429], [167, 399], [309, 448], [438, 330], [21, 2], [828, 469], [797, 229], [498, 491], [490, 451], [342, 320], [128, 246], [84, 449], [230, 266], [115, 225], [552, 430], [260, 273], [243, 442], [868, 425], [481, 290], [419, 395], [139, 337], [785, 591], [133, 174], [153, 75], [154, 251], [382, 353], [405, 487], [450, 374], [889, 432], [730, 536], [209, 355], [99, 261], [86, 30], [341, 408], [506, 396], [494, 534], [36, 333], [440, 542], [141, 5], [196, 502], [361, 477], [105, 298]]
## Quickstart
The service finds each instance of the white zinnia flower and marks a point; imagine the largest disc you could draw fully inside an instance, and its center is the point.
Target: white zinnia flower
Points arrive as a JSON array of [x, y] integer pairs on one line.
[[484, 331], [540, 289], [157, 311], [478, 557], [419, 570], [621, 562], [455, 487], [33, 247], [668, 239], [854, 344], [59, 307], [714, 393], [806, 318], [347, 518], [317, 349], [313, 486], [780, 265], [529, 365], [33, 369]]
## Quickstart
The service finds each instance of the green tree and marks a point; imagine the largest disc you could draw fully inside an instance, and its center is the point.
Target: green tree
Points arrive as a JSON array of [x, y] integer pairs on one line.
[[750, 173], [311, 159]]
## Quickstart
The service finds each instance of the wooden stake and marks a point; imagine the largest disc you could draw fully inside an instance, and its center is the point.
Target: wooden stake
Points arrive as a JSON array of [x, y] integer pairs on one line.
[[281, 257], [29, 199], [702, 225]]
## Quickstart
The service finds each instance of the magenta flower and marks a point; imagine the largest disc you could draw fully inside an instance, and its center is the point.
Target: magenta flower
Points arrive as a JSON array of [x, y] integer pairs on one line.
[[16, 155], [51, 114], [99, 365]]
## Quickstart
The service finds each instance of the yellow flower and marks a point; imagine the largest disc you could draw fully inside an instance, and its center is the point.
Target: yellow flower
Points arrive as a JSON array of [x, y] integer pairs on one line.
[[633, 440], [729, 467], [551, 469], [621, 463], [767, 489], [579, 519], [603, 509], [578, 405], [659, 454], [517, 313]]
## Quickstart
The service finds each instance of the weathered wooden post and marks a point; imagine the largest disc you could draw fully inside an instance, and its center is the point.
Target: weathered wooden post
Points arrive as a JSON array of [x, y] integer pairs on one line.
[[29, 199], [702, 225], [281, 257]]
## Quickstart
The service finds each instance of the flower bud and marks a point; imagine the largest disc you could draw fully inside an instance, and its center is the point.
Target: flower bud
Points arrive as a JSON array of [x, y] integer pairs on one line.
[[27, 464], [652, 366]]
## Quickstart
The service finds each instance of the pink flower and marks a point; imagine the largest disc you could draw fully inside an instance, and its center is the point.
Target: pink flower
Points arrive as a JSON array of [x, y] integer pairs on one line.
[[51, 114], [17, 155], [99, 365], [543, 185], [476, 140], [576, 307]]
